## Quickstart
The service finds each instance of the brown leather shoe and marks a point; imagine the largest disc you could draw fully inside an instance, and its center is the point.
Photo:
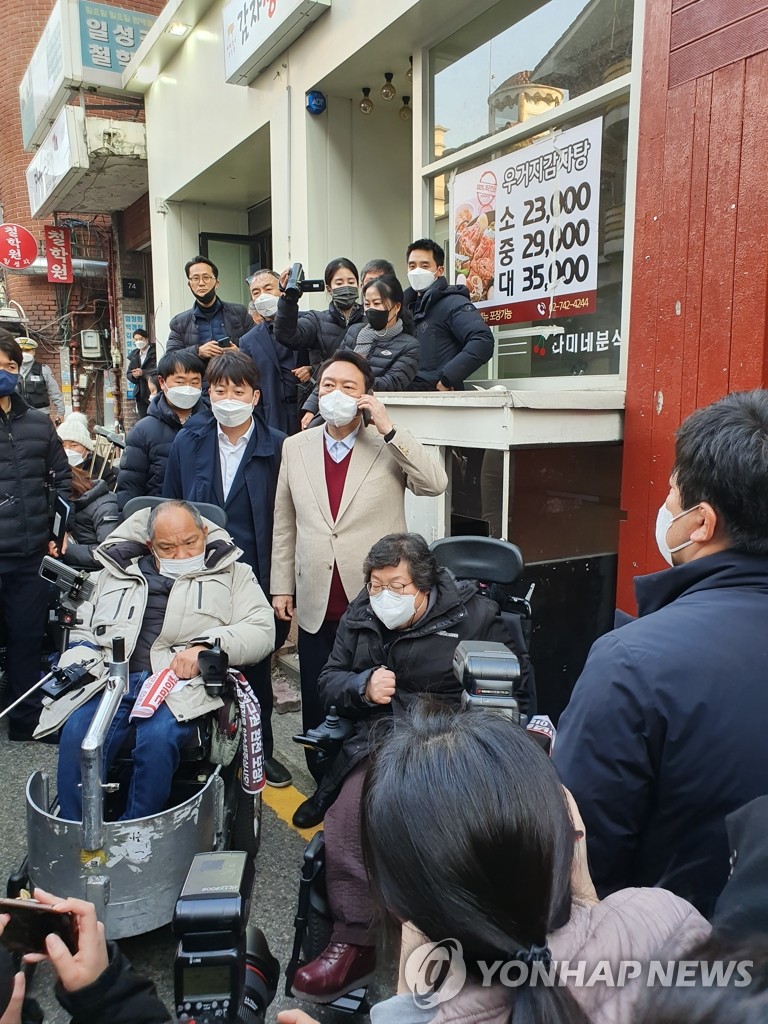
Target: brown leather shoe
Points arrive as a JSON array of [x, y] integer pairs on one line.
[[339, 969]]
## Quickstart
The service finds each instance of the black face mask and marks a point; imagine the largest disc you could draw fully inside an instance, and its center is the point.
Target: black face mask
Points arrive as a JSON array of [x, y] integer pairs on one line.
[[207, 299], [345, 297], [377, 318]]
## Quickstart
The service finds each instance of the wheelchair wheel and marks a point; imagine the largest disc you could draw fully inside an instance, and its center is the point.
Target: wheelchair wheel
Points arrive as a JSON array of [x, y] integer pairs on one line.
[[246, 825]]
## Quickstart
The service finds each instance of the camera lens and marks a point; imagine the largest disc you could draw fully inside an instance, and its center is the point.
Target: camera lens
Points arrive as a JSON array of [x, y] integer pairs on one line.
[[262, 974]]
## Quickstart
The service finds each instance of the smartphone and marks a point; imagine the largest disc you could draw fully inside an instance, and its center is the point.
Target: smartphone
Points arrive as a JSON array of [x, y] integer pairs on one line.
[[30, 923], [223, 342]]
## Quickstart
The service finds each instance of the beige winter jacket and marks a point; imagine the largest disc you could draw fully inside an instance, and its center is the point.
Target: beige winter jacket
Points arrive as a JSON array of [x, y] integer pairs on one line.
[[223, 602], [633, 924]]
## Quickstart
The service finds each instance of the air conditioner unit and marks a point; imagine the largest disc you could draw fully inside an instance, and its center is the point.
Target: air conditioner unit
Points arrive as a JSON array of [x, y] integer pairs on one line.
[[90, 344]]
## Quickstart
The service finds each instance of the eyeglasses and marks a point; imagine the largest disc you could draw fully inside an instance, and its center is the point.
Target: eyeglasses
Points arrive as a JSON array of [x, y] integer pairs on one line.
[[395, 588], [202, 278]]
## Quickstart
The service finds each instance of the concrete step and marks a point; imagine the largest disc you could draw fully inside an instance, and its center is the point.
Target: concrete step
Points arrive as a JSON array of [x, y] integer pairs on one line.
[[288, 664]]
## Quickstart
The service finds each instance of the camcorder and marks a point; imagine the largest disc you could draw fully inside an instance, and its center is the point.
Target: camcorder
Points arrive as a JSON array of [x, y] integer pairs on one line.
[[224, 970], [76, 585], [297, 284]]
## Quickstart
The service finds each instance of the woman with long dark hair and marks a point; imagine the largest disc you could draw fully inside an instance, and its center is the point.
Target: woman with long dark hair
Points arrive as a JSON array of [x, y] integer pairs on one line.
[[468, 836], [384, 338]]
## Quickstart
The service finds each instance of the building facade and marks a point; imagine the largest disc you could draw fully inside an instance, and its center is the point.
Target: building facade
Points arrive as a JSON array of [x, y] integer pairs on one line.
[[593, 170]]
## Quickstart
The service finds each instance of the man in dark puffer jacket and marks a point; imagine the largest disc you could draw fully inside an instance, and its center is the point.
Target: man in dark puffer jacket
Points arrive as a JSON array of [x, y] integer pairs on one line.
[[31, 459], [454, 339], [180, 376], [209, 320]]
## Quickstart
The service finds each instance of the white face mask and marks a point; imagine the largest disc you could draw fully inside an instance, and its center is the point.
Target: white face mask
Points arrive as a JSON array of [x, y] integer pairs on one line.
[[230, 412], [394, 610], [27, 357], [175, 567], [266, 305], [337, 408], [183, 396], [74, 458], [421, 279], [664, 521]]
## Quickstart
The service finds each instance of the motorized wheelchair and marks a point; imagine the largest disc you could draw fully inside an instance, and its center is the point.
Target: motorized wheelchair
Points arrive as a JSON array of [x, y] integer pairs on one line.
[[496, 566], [134, 870]]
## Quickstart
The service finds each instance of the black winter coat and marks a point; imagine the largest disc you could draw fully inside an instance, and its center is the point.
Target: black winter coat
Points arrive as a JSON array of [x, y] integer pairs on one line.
[[394, 362], [420, 657], [31, 457], [95, 516], [147, 446], [454, 340], [318, 332], [665, 732], [140, 384], [278, 396], [118, 996], [183, 327]]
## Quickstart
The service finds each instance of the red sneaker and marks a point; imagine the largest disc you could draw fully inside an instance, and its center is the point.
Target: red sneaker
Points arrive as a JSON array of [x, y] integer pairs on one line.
[[339, 969]]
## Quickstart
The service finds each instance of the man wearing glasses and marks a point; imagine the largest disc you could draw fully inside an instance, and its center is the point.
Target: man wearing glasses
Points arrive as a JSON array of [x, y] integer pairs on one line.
[[210, 320]]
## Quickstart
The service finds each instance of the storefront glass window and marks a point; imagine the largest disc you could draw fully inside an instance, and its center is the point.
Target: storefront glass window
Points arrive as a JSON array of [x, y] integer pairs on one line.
[[563, 501], [488, 77], [538, 226]]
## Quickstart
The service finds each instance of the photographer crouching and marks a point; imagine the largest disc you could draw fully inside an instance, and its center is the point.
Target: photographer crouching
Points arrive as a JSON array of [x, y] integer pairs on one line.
[[395, 643]]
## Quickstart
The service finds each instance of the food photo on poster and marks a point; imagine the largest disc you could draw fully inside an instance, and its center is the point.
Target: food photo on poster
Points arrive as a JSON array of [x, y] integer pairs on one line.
[[525, 228]]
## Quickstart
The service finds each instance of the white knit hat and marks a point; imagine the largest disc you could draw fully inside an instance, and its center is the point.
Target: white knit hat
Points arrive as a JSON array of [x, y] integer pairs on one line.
[[75, 428]]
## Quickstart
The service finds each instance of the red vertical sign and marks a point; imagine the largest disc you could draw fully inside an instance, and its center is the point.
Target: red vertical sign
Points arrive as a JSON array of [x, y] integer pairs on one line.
[[58, 254]]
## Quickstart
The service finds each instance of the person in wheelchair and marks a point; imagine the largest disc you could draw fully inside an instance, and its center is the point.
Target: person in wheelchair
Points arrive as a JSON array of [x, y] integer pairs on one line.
[[171, 586], [395, 643]]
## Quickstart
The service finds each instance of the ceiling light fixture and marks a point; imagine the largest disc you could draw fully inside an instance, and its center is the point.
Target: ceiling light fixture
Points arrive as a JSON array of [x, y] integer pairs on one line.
[[388, 91], [405, 110], [366, 103], [177, 28]]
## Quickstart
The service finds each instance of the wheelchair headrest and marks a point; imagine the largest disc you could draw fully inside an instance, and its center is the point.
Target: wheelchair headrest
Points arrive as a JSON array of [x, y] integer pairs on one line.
[[213, 513], [480, 558]]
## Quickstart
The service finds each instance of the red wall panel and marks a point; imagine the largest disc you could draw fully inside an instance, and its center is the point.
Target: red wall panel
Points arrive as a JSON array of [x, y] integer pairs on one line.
[[698, 324]]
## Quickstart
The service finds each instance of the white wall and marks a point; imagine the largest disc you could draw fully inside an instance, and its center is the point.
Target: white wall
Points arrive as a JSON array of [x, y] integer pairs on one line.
[[340, 183], [358, 185]]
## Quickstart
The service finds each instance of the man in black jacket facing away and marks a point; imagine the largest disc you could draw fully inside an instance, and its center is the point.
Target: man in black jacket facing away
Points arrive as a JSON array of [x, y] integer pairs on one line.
[[142, 471], [454, 340], [209, 320], [32, 461], [665, 732]]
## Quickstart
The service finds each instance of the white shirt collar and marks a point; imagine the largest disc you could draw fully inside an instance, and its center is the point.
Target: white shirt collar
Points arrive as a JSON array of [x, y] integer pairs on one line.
[[348, 442], [241, 441]]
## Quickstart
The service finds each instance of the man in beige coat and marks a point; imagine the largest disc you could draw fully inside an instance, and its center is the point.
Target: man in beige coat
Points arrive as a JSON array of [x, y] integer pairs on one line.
[[341, 488]]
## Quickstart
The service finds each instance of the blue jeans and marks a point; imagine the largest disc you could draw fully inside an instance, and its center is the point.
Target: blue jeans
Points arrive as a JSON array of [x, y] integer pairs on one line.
[[156, 754]]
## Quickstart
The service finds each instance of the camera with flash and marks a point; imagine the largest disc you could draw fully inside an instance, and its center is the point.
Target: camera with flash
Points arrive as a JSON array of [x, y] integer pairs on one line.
[[488, 673]]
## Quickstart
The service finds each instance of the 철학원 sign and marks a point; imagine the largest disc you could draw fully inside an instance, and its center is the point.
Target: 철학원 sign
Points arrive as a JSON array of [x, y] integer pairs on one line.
[[18, 247], [109, 37], [525, 228]]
